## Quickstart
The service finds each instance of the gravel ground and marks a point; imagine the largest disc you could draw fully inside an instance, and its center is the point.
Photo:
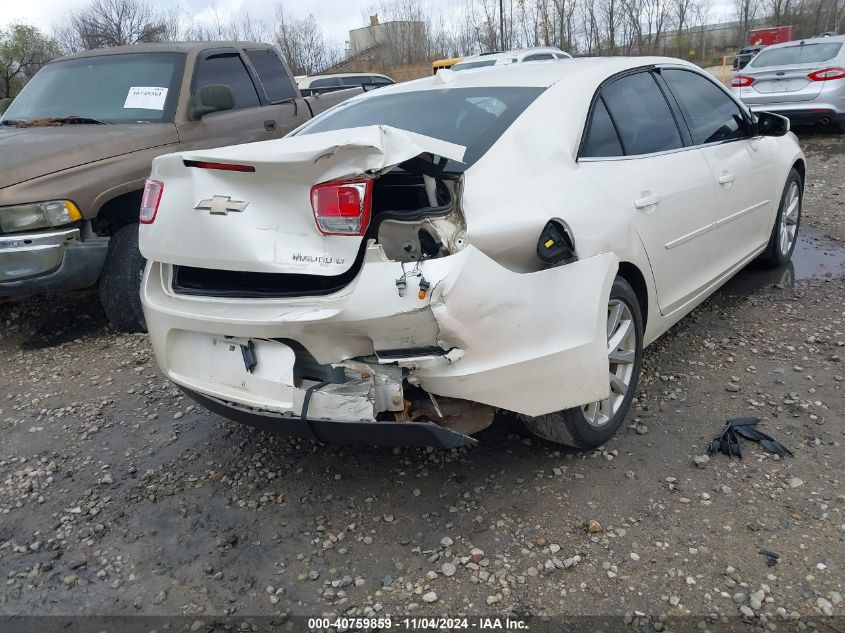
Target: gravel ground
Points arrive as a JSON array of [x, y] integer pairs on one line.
[[119, 496]]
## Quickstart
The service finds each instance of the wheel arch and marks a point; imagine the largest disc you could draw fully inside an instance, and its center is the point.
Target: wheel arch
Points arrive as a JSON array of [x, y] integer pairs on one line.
[[801, 167], [634, 276], [118, 212]]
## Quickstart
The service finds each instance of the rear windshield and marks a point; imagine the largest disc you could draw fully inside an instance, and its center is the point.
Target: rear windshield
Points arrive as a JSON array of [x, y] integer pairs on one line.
[[123, 88], [800, 54], [472, 117], [468, 65]]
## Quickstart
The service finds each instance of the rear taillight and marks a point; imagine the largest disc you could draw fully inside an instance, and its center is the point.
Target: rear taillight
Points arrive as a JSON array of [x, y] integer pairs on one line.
[[150, 200], [342, 208], [741, 81], [826, 74]]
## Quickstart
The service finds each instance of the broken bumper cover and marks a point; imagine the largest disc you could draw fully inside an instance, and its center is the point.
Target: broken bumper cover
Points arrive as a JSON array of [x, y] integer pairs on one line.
[[532, 343], [416, 434]]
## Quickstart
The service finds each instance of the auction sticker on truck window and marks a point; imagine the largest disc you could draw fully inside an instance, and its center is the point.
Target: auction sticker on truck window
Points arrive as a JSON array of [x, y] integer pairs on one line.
[[146, 98]]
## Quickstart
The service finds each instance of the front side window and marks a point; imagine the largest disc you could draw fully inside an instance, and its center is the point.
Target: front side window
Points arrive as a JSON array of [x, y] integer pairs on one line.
[[227, 69], [799, 54], [538, 57], [642, 115], [123, 88], [472, 117], [272, 74], [711, 115]]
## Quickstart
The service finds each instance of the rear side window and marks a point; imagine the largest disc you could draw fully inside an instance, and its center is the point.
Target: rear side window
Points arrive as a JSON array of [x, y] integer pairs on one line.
[[601, 139], [228, 69], [381, 81], [642, 115], [801, 54], [711, 115], [330, 82], [355, 81], [272, 74]]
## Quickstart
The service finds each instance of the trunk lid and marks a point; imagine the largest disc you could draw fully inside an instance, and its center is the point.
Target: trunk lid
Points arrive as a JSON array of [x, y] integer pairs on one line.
[[264, 221], [779, 84]]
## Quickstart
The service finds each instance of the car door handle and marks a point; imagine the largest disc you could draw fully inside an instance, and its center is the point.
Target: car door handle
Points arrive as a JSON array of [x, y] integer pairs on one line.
[[647, 201], [270, 125], [727, 178]]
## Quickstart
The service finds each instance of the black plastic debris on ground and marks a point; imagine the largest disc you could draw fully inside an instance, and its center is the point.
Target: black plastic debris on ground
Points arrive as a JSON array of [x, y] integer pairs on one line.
[[728, 441], [771, 557]]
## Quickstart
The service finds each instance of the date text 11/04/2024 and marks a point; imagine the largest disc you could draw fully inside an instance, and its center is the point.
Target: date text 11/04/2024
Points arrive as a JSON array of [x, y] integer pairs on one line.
[[411, 624]]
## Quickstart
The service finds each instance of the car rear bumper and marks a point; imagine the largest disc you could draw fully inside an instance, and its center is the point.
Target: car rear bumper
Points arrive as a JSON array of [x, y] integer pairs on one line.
[[383, 433], [46, 261], [532, 343], [817, 113]]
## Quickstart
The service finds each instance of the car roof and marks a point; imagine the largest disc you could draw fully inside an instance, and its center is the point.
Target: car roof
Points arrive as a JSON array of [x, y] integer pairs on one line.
[[810, 40], [167, 47], [586, 71], [520, 52], [361, 74]]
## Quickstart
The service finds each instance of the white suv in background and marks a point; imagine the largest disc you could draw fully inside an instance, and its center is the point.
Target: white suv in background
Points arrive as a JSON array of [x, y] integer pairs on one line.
[[318, 84], [541, 53]]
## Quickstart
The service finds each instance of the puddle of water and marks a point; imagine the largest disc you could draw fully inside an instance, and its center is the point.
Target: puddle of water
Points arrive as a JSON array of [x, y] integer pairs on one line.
[[815, 257]]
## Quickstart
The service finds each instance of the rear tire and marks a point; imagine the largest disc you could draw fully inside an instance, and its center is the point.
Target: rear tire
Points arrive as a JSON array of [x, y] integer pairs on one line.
[[594, 424], [787, 222], [120, 282]]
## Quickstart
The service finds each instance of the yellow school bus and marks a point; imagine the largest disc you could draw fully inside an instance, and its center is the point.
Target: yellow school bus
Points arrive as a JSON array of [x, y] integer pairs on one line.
[[444, 63]]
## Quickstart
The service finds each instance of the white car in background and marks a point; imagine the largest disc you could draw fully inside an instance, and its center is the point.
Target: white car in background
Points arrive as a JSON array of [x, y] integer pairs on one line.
[[804, 81], [418, 257], [318, 84], [537, 54]]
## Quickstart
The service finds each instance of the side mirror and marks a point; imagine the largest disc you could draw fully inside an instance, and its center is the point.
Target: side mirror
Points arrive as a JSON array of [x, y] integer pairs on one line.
[[771, 124], [4, 105], [212, 98]]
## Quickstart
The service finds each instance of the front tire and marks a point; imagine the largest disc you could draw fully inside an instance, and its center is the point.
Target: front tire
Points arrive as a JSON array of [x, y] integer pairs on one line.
[[594, 424], [120, 281], [785, 231]]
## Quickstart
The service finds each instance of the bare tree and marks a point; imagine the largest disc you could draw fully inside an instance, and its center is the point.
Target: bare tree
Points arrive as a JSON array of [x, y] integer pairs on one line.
[[302, 43], [105, 23], [746, 12]]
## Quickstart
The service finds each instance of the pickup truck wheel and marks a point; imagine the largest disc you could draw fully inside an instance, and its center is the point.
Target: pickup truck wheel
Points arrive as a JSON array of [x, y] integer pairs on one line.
[[595, 423], [120, 281]]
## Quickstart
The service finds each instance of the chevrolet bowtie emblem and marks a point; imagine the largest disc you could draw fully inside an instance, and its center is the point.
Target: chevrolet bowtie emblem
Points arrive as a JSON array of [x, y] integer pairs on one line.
[[220, 205]]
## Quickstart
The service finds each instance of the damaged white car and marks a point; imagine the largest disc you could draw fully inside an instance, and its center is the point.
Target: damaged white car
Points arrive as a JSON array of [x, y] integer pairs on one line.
[[412, 261]]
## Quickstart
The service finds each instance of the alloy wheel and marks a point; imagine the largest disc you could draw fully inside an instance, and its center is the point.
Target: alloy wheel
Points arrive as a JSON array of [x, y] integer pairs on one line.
[[621, 354], [789, 218]]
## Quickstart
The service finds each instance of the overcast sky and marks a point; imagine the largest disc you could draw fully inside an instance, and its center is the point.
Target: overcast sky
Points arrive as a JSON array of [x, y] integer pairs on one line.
[[336, 17]]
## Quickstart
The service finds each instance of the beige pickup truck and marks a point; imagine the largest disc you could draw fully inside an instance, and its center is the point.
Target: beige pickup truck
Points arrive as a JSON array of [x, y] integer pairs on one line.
[[77, 143]]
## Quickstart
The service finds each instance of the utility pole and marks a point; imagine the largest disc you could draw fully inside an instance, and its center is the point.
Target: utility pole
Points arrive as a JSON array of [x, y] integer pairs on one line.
[[501, 25]]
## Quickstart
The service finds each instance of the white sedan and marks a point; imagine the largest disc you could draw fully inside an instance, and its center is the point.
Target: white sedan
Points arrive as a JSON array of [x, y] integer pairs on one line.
[[410, 262]]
